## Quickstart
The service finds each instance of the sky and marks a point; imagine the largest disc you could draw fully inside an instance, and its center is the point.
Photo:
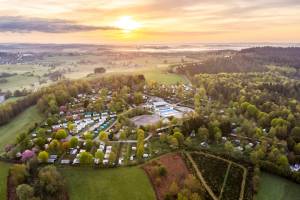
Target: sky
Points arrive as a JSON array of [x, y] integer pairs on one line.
[[149, 21]]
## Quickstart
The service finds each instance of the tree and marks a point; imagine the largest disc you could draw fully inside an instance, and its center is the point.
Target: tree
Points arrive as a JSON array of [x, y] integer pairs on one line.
[[61, 134], [85, 158], [88, 136], [281, 131], [55, 146], [99, 70], [140, 151], [258, 133], [123, 135], [112, 158], [252, 111], [218, 136], [295, 133], [99, 155], [66, 145], [18, 173], [174, 142], [282, 161], [174, 189], [40, 141], [255, 180], [140, 135], [228, 146], [203, 133], [254, 157], [25, 192], [50, 182], [43, 156], [192, 183], [73, 142], [138, 98], [71, 126], [179, 136], [244, 106], [297, 148], [41, 132], [162, 171], [89, 144], [103, 136]]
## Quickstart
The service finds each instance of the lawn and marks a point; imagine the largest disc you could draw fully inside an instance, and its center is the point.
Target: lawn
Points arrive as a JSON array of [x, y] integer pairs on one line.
[[22, 122], [3, 175], [105, 184], [273, 187]]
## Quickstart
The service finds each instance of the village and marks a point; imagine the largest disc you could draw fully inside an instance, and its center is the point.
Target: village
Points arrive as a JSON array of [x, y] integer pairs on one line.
[[81, 132]]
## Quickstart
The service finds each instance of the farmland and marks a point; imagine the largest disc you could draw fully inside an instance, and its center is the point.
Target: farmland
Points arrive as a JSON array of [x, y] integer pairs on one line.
[[224, 179], [117, 184], [176, 171], [28, 74]]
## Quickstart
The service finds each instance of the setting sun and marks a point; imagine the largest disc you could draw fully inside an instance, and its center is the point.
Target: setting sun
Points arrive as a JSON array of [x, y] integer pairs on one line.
[[127, 24]]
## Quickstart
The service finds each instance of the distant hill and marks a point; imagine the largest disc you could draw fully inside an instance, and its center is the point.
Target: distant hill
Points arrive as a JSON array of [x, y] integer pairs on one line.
[[247, 60]]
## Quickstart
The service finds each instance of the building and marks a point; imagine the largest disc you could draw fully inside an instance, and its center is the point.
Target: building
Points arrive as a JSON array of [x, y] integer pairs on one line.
[[164, 109]]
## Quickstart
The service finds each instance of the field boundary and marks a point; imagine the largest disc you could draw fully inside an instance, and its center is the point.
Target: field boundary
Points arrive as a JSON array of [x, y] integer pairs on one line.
[[199, 174], [225, 180]]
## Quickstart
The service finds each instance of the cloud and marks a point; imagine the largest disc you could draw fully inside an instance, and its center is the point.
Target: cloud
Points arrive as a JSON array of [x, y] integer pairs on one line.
[[25, 25]]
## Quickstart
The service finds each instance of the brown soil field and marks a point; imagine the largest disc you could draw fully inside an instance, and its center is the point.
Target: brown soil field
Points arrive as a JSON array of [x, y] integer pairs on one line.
[[176, 171]]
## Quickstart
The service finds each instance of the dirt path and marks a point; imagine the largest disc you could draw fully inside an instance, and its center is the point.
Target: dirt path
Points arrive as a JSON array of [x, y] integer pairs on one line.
[[225, 180], [230, 162], [199, 174]]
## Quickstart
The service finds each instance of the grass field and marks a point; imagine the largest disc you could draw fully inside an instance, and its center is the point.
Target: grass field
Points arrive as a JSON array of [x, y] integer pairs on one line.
[[19, 124], [105, 184], [3, 175], [273, 187], [158, 74]]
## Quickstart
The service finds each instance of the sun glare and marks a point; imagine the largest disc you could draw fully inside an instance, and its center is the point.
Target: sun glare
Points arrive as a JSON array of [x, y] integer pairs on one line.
[[127, 24]]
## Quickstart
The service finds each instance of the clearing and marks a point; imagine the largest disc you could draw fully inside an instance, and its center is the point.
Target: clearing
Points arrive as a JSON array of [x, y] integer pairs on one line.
[[273, 187], [118, 184], [22, 122]]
